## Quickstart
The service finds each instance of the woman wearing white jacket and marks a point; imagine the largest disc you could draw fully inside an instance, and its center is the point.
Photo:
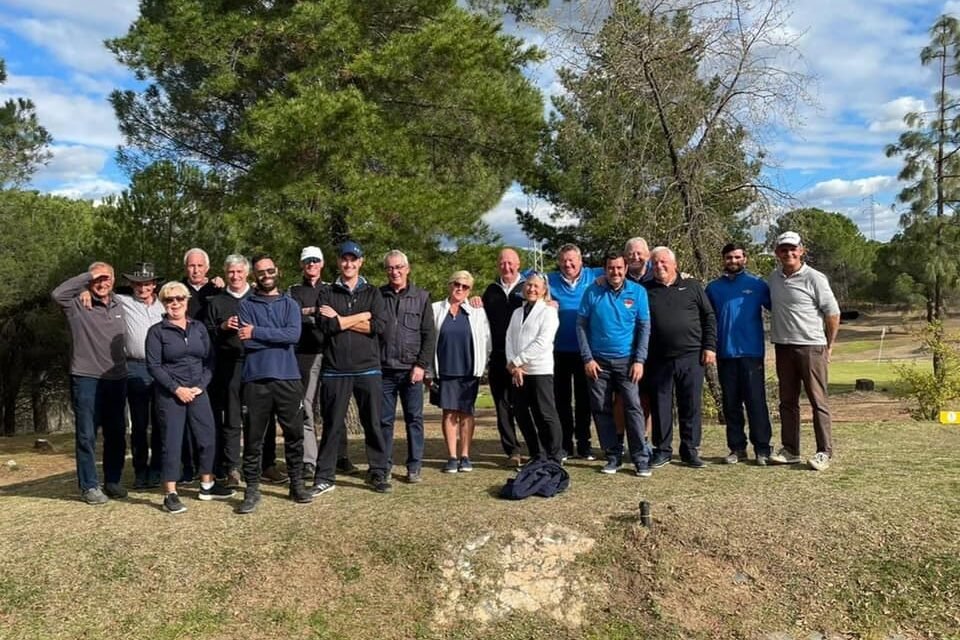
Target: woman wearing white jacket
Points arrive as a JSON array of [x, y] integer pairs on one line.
[[530, 361], [463, 347]]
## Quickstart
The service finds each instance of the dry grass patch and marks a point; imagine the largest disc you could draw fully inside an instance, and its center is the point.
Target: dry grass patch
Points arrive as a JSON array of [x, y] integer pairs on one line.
[[866, 549]]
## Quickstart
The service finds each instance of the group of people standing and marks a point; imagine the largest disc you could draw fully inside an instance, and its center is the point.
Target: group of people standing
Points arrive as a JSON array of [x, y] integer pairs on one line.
[[214, 365]]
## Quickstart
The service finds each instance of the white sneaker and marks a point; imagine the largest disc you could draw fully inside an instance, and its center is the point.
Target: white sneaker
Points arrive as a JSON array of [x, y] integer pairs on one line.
[[820, 461], [783, 456]]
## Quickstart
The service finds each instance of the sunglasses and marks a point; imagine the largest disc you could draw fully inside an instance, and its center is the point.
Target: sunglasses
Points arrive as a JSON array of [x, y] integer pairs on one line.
[[311, 261], [460, 285], [267, 272], [170, 299]]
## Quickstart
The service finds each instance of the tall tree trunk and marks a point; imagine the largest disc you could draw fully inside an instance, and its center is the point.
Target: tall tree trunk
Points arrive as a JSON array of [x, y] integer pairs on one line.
[[38, 402]]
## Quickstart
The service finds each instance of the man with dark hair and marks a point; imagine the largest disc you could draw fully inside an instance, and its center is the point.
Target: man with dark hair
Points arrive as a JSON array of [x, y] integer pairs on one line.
[[805, 319], [98, 379], [613, 328], [352, 316], [269, 329], [683, 340], [738, 298], [571, 391], [406, 352]]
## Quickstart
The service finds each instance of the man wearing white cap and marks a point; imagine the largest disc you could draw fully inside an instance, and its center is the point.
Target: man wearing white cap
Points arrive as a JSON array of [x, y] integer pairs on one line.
[[310, 354], [805, 318]]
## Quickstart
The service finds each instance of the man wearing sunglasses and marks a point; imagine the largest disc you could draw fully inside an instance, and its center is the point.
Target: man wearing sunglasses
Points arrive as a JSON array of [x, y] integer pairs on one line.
[[270, 329]]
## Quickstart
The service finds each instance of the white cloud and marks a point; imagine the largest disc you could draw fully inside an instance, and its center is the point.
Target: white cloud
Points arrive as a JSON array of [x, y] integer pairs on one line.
[[68, 117], [503, 218], [75, 45], [110, 17], [838, 188], [90, 189], [889, 117], [72, 162]]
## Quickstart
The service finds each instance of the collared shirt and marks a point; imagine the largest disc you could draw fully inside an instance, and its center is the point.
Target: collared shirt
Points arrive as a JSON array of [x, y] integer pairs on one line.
[[139, 317], [614, 323], [507, 288], [799, 303], [738, 301]]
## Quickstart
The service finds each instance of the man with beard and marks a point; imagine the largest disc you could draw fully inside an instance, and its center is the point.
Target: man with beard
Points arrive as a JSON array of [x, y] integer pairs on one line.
[[352, 315], [220, 318], [739, 298], [269, 330]]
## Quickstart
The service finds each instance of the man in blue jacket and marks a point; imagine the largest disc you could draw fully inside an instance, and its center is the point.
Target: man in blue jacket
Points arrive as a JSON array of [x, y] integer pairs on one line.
[[739, 298], [270, 329], [613, 328]]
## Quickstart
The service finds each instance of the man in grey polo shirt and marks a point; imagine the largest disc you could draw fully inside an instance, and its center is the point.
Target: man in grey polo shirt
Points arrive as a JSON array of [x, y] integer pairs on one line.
[[805, 318]]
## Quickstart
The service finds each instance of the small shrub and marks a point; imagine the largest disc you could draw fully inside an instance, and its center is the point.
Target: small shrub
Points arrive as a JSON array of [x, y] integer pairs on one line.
[[930, 391]]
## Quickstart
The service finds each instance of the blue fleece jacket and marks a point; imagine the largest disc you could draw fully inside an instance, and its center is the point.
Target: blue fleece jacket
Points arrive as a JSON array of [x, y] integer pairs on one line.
[[614, 324], [270, 352], [738, 302], [568, 304]]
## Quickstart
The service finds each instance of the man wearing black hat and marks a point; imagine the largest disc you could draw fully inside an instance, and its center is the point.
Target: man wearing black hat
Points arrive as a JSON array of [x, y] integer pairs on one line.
[[352, 315], [142, 310]]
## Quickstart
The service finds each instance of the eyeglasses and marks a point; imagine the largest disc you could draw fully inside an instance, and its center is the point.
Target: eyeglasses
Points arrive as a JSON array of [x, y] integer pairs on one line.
[[170, 299], [311, 260], [398, 267], [267, 272], [460, 285]]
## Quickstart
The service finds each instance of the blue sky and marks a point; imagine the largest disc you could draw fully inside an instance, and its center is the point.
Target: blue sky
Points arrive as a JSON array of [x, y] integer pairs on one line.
[[863, 55]]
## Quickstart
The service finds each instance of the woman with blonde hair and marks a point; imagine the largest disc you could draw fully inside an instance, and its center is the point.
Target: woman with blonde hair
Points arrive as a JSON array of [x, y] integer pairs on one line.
[[180, 359], [530, 336], [463, 346]]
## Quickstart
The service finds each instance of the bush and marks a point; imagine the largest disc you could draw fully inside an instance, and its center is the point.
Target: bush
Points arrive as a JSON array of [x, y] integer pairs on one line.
[[930, 391]]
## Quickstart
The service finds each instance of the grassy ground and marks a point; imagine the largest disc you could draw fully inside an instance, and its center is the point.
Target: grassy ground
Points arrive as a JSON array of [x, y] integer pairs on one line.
[[866, 549]]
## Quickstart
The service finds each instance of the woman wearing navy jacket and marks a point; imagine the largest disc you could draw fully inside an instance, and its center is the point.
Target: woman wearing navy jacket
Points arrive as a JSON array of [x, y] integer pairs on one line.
[[530, 336], [180, 359]]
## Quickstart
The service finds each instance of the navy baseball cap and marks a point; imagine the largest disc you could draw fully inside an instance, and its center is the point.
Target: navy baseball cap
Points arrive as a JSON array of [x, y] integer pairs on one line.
[[350, 248]]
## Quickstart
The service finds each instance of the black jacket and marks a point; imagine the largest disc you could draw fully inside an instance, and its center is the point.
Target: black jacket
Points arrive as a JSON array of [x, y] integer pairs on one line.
[[681, 319], [349, 351], [214, 313], [179, 358], [198, 298], [500, 308], [311, 337], [409, 337]]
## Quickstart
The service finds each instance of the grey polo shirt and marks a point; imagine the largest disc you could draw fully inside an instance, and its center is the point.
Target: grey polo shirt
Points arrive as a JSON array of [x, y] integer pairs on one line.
[[138, 318], [798, 305]]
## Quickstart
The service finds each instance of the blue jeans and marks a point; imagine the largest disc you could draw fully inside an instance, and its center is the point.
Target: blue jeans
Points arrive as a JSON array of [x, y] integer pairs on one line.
[[744, 385], [396, 382], [146, 439], [96, 403], [615, 378]]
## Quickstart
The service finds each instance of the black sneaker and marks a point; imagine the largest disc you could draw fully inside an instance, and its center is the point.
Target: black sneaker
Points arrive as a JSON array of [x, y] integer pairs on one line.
[[659, 460], [216, 492], [172, 504], [322, 487], [695, 461], [300, 494], [379, 483], [114, 490], [346, 467], [309, 471], [251, 498]]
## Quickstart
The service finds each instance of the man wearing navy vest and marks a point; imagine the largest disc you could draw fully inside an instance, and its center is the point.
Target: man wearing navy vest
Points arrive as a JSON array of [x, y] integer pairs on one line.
[[739, 298]]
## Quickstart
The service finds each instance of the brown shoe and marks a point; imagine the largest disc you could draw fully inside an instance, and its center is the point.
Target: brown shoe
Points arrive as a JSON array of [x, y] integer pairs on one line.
[[274, 475]]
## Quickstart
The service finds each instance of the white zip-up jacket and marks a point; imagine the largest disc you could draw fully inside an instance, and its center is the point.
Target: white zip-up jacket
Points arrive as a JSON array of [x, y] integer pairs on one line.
[[530, 341], [479, 331]]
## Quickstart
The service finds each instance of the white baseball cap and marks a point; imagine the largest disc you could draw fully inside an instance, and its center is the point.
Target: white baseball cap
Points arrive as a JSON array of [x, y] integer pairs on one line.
[[789, 237], [311, 252]]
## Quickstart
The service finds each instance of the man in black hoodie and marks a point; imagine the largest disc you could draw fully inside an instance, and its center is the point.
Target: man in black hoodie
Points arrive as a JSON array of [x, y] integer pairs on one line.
[[683, 339], [351, 315]]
